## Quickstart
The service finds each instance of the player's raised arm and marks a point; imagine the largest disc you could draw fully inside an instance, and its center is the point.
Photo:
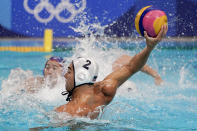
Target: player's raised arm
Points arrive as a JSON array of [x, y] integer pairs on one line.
[[138, 61]]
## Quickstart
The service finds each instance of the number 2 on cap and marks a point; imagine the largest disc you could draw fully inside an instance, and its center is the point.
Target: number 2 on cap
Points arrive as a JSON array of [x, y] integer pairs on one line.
[[86, 66]]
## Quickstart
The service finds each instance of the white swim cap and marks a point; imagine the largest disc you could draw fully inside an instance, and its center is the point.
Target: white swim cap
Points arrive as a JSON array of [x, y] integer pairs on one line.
[[85, 71]]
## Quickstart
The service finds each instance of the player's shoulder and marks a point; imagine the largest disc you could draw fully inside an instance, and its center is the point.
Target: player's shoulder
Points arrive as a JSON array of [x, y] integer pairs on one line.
[[107, 86]]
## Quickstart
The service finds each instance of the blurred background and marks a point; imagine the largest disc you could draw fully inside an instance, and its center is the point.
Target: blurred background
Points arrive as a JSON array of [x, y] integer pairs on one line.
[[29, 18]]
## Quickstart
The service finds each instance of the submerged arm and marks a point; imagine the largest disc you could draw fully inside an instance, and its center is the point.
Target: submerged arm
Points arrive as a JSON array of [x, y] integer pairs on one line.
[[148, 70]]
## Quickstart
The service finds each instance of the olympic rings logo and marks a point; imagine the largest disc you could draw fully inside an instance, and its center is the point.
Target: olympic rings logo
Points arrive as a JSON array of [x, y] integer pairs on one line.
[[55, 11]]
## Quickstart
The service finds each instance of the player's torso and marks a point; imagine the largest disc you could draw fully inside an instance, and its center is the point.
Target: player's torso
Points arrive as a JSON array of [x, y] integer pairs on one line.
[[88, 103]]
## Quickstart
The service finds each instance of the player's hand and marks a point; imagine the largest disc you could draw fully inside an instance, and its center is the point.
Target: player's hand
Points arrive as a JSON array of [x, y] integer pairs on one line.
[[158, 81], [152, 42]]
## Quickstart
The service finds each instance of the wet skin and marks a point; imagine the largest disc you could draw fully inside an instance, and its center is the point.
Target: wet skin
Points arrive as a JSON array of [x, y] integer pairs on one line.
[[87, 98]]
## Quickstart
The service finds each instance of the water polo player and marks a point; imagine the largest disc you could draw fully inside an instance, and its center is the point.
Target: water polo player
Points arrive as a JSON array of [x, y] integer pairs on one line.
[[51, 72], [53, 67], [84, 97]]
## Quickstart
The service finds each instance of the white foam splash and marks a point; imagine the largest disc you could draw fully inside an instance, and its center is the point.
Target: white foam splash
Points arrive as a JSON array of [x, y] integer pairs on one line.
[[52, 95], [95, 47], [15, 88], [128, 89], [14, 82]]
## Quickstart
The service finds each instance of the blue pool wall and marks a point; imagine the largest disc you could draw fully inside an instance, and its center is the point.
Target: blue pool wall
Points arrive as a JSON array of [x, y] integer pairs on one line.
[[117, 15]]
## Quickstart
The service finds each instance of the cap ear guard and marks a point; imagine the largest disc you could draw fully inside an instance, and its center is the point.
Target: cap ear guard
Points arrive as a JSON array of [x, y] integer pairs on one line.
[[82, 76]]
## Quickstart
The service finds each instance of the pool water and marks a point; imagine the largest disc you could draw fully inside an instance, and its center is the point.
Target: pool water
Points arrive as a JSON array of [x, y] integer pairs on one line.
[[138, 105]]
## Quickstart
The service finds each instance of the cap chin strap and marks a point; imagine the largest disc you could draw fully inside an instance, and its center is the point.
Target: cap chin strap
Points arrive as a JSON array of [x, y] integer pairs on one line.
[[69, 96]]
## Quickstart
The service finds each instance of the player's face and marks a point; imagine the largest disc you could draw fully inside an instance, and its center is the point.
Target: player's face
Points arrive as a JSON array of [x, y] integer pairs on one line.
[[69, 78], [52, 69]]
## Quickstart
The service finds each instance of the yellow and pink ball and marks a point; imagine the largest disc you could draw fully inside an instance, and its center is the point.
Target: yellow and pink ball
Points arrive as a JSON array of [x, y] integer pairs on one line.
[[150, 20]]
